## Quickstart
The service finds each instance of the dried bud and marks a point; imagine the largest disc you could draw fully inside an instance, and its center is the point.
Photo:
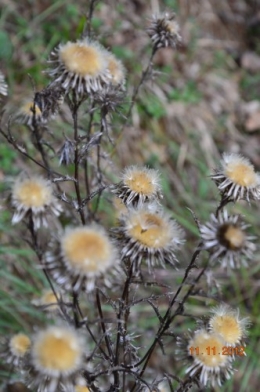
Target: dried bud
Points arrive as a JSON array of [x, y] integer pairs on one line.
[[67, 153], [109, 98], [164, 31], [49, 100]]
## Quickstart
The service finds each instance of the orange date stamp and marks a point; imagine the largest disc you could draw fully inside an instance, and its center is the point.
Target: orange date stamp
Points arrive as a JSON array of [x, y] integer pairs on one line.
[[225, 350]]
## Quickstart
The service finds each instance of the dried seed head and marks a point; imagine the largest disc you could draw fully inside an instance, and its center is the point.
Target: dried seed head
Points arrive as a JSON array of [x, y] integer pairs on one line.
[[80, 66], [82, 255], [237, 179], [226, 239], [48, 301], [226, 322], [116, 69], [138, 185], [56, 356], [164, 31], [33, 195], [206, 348], [19, 344], [149, 234], [29, 114], [15, 349]]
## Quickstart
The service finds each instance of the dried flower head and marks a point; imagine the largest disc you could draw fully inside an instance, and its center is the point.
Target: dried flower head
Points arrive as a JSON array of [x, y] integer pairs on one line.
[[3, 85], [116, 69], [236, 178], [206, 350], [227, 322], [149, 234], [138, 185], [226, 239], [15, 348], [48, 301], [30, 114], [110, 98], [81, 66], [34, 195], [49, 100], [56, 356], [82, 255], [164, 31]]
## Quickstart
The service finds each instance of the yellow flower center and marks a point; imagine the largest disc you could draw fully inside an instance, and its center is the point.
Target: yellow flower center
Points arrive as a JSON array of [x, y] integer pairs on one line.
[[115, 70], [209, 349], [32, 194], [82, 60], [48, 298], [86, 250], [242, 174], [140, 182], [57, 351], [80, 388], [28, 108], [19, 344], [232, 237], [228, 327], [150, 230]]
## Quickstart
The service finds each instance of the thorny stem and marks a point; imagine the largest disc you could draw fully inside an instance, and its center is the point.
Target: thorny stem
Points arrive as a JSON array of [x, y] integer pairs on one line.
[[75, 108], [122, 305], [38, 141], [87, 29], [22, 151], [167, 319], [108, 343], [86, 174], [223, 202], [39, 254], [141, 81], [135, 93], [99, 171]]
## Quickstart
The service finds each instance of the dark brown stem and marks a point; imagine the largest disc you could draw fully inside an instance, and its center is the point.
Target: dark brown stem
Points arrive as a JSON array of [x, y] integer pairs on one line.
[[76, 156]]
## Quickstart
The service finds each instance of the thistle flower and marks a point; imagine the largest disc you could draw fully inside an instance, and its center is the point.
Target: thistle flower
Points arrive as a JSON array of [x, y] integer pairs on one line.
[[138, 185], [81, 66], [3, 85], [236, 178], [149, 234], [56, 357], [33, 195], [226, 239], [15, 348], [116, 69], [48, 301], [227, 322], [82, 255], [206, 351], [164, 31], [30, 113]]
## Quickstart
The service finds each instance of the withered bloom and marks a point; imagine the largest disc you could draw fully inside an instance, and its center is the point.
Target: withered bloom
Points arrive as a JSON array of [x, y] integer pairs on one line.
[[164, 31]]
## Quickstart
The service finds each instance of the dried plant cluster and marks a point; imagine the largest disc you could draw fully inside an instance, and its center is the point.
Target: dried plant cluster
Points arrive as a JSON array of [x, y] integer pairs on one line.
[[88, 265]]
